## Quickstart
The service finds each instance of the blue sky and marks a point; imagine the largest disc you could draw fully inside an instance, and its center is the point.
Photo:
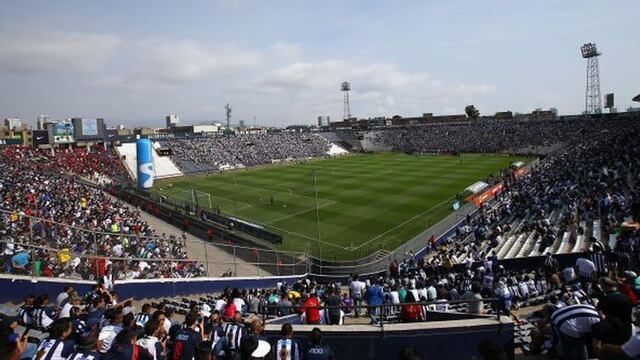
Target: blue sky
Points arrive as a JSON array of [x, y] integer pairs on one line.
[[283, 61]]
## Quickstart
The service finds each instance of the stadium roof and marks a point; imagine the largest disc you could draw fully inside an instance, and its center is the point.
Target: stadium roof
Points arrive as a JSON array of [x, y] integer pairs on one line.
[[637, 98], [477, 187]]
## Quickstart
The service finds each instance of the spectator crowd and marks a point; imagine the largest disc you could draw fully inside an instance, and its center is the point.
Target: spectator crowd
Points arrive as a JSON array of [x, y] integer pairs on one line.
[[249, 149], [489, 136], [52, 225]]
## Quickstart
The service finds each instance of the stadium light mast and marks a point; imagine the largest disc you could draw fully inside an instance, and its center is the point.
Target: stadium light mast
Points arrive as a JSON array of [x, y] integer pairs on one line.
[[345, 88], [592, 99], [227, 110]]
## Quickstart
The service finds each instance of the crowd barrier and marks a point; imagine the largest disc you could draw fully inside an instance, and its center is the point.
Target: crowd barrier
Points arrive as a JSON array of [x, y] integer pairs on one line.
[[439, 337], [14, 288]]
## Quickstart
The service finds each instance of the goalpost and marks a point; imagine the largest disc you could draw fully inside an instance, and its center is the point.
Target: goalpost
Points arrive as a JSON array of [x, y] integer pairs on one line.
[[196, 198]]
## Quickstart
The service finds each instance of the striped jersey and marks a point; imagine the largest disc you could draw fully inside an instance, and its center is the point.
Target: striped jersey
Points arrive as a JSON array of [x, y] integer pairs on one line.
[[53, 349], [234, 334], [84, 356], [43, 317], [575, 320], [142, 318], [286, 349]]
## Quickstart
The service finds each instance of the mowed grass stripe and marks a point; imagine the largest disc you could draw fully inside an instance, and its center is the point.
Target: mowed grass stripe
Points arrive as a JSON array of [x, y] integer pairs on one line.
[[360, 197]]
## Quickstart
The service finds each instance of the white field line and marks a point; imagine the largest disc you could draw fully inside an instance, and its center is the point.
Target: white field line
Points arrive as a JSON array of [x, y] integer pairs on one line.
[[290, 192], [298, 213], [402, 224]]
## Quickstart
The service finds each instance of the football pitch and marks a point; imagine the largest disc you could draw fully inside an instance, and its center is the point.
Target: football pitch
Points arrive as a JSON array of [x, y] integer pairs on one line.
[[362, 203]]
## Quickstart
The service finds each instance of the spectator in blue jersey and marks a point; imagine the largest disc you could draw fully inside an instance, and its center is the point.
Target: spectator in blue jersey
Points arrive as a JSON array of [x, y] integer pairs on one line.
[[125, 348], [374, 297], [184, 346], [153, 340], [19, 262], [317, 350], [286, 348], [87, 347], [56, 346]]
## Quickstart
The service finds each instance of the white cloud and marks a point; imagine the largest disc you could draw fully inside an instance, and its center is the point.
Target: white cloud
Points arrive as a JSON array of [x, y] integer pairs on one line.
[[286, 50], [55, 51], [178, 62], [377, 89]]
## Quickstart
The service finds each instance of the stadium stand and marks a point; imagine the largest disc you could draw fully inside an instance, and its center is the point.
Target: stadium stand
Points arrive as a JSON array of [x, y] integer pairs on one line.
[[543, 243], [60, 219], [248, 149]]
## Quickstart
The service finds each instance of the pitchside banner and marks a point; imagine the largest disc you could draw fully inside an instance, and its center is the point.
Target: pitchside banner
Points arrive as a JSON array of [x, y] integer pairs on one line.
[[489, 194], [144, 154], [63, 132]]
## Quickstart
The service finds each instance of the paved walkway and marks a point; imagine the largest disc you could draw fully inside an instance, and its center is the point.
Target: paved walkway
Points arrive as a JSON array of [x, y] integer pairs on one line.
[[217, 260]]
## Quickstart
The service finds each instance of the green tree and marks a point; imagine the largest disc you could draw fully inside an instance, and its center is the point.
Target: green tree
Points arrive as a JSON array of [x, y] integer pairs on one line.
[[472, 112]]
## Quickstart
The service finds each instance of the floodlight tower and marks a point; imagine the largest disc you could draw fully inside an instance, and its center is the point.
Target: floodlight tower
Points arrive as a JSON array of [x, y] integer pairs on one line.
[[346, 87], [227, 110], [592, 100]]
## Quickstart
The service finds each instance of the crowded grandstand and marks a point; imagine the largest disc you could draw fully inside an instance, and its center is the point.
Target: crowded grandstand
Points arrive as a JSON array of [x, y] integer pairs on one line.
[[559, 238]]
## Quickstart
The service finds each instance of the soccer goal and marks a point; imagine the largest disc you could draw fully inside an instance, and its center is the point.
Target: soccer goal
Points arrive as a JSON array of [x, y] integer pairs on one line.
[[196, 198]]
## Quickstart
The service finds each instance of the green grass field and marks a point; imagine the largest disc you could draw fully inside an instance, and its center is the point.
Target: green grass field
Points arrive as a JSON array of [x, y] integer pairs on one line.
[[365, 202]]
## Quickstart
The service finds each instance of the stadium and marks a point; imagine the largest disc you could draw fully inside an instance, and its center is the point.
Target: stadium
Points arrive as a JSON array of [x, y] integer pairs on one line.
[[457, 236]]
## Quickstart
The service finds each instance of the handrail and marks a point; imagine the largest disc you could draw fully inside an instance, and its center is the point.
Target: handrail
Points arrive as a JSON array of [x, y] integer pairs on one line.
[[297, 308], [143, 237]]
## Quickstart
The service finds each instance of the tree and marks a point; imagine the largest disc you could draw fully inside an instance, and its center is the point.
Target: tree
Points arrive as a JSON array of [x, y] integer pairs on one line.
[[472, 112]]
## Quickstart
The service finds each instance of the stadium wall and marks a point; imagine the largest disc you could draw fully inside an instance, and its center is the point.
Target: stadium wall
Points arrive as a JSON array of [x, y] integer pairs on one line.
[[14, 288], [434, 340]]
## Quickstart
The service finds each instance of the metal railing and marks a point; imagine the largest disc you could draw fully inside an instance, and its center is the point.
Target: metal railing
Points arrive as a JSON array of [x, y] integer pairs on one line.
[[42, 237], [388, 313]]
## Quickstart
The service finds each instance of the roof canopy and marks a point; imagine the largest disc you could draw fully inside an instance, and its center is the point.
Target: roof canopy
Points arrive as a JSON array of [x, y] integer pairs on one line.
[[477, 187]]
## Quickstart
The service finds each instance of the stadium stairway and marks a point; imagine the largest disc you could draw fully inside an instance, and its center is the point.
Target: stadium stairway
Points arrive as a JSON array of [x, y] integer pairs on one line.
[[515, 249], [528, 245], [381, 254]]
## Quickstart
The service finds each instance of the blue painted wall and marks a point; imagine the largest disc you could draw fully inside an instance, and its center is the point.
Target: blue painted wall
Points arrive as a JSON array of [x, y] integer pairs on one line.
[[17, 288], [434, 344]]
